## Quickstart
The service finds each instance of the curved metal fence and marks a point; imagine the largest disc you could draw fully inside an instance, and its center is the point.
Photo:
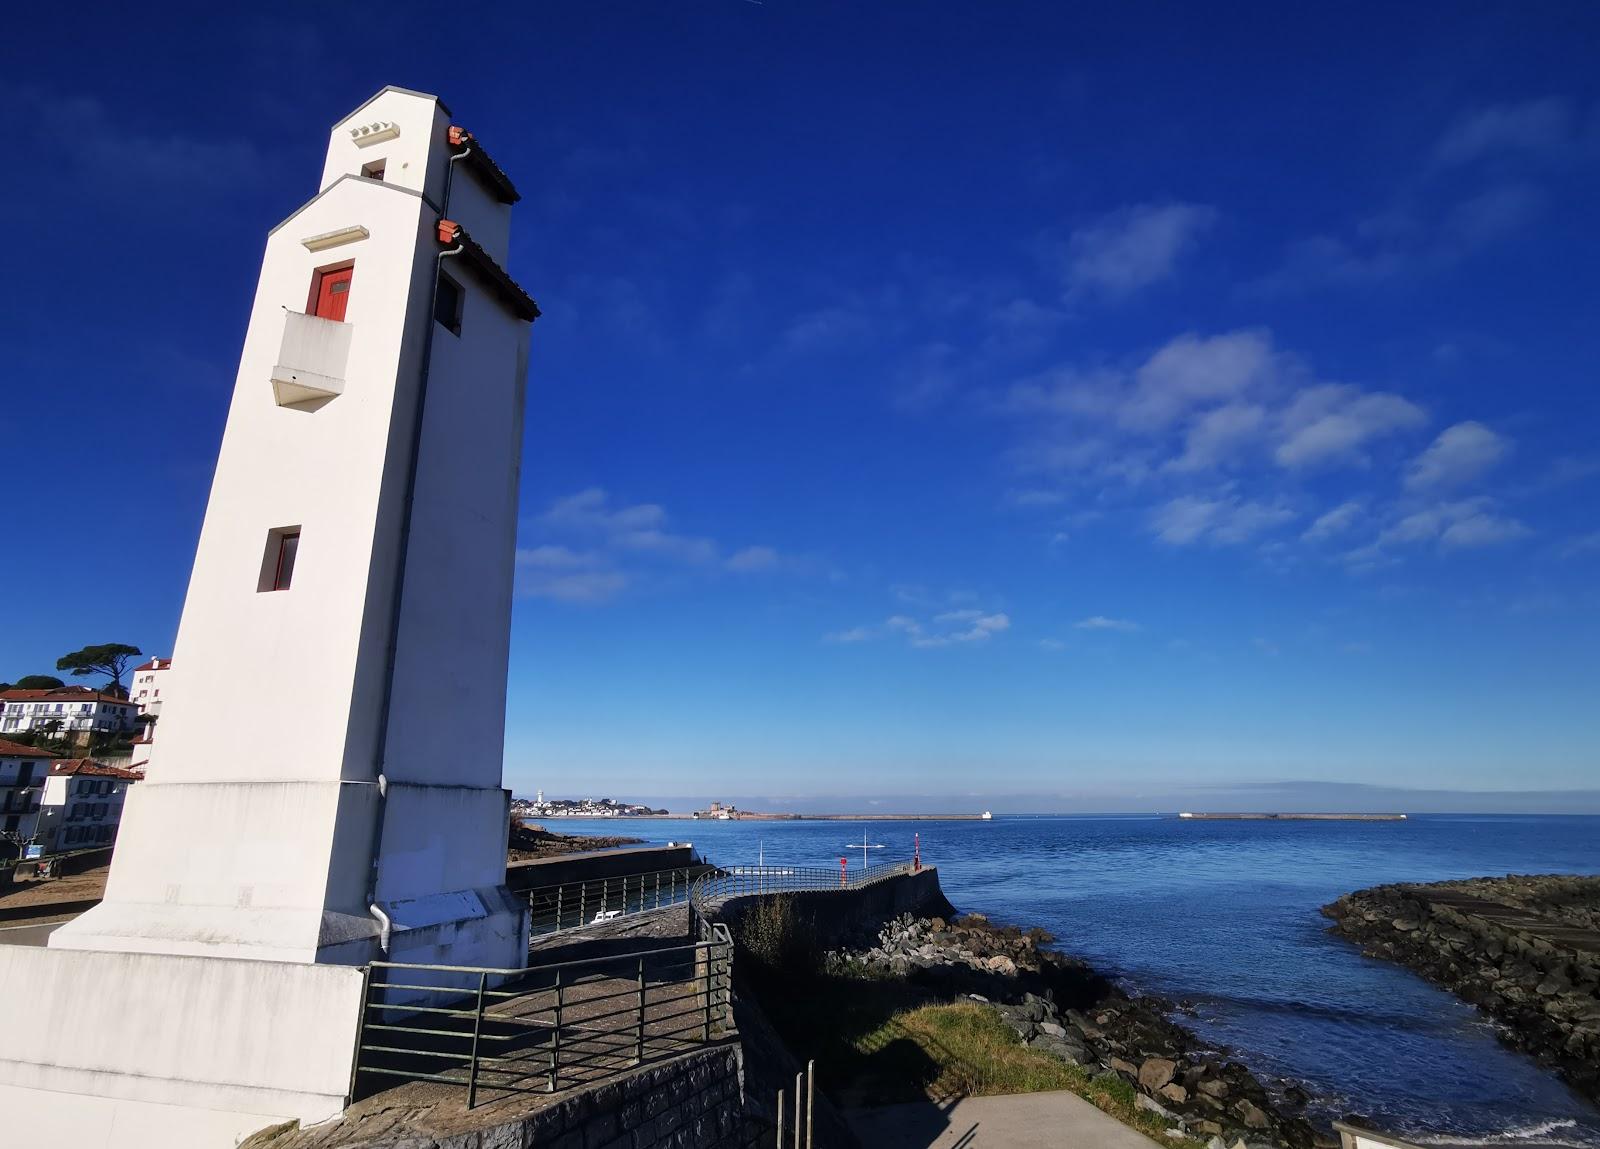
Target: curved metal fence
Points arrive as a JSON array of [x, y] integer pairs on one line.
[[738, 881]]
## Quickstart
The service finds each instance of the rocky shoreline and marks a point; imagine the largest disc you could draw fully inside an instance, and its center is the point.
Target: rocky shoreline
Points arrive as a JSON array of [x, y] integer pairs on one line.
[[1524, 949], [1061, 1007]]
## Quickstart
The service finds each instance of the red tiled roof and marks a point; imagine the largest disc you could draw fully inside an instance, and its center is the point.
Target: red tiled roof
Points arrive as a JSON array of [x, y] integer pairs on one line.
[[64, 694], [154, 664], [487, 170], [510, 293], [90, 767], [9, 749]]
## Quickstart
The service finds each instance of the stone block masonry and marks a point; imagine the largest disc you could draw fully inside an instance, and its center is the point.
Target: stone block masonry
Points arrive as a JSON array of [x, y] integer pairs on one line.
[[1524, 949], [691, 1102]]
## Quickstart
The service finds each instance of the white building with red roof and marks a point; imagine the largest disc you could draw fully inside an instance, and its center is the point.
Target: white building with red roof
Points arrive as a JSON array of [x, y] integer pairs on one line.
[[71, 712], [82, 804], [23, 770]]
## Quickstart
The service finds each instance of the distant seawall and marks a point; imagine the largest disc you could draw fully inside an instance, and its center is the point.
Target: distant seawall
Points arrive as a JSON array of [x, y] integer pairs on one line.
[[1191, 817]]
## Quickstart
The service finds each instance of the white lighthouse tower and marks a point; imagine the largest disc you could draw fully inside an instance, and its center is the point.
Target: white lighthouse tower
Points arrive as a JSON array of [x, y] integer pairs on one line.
[[327, 789]]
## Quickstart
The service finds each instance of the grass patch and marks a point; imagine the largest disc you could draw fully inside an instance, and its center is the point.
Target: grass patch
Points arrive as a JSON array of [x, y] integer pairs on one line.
[[878, 1042], [963, 1049]]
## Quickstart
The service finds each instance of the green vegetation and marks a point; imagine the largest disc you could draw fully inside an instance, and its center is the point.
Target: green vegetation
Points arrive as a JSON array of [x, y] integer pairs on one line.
[[878, 1041], [965, 1048], [110, 659]]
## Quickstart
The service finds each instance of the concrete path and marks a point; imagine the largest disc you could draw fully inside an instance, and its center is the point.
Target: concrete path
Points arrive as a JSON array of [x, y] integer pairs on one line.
[[1057, 1120]]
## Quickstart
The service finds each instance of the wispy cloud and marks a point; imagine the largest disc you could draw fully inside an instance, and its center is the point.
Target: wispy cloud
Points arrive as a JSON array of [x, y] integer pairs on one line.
[[601, 548], [1534, 127], [1101, 622], [565, 575], [1331, 424], [948, 628], [1452, 525], [1217, 521], [1460, 454], [1134, 247], [1335, 522]]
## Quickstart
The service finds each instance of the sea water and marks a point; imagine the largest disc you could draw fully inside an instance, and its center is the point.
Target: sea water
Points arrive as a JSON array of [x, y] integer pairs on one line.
[[1222, 916]]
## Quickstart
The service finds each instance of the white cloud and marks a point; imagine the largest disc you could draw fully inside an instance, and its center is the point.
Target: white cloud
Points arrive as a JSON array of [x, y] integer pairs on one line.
[[1191, 519], [1334, 522], [1101, 622], [1331, 423], [754, 559], [1460, 453], [1582, 544], [1455, 525], [1052, 644], [1218, 436], [1193, 371], [1134, 247], [1534, 127], [591, 510], [949, 628], [616, 546]]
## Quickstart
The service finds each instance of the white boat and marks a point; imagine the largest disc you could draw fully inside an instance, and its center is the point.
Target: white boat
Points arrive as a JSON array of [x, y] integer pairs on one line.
[[988, 817]]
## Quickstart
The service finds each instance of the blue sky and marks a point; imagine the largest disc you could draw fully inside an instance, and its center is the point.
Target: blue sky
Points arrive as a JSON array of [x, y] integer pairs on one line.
[[1031, 406]]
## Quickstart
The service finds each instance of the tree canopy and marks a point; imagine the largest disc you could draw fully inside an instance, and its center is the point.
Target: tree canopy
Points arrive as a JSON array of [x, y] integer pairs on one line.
[[38, 682], [110, 659]]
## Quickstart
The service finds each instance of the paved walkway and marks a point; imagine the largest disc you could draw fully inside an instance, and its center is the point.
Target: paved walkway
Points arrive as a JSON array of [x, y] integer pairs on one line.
[[1056, 1120]]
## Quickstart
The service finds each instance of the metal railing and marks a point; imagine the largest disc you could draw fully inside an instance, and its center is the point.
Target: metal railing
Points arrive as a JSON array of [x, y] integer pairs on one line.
[[757, 880], [572, 904], [542, 1028]]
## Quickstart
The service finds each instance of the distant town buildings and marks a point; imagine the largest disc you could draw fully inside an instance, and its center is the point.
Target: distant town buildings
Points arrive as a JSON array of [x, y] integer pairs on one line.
[[58, 804], [149, 680], [82, 804], [718, 812], [22, 777], [145, 689], [578, 808], [74, 713]]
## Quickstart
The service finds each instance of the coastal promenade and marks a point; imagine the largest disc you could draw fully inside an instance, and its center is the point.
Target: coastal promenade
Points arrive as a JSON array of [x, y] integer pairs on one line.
[[1053, 1120]]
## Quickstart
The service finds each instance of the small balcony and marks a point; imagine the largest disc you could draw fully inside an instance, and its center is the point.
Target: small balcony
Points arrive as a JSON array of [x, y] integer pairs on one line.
[[311, 362]]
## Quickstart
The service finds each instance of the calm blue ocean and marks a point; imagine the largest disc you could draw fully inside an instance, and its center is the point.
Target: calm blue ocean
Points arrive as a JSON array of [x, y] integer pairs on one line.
[[1223, 916]]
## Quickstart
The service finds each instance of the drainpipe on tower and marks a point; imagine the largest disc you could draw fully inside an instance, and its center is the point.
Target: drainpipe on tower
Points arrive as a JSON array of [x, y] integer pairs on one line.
[[385, 926]]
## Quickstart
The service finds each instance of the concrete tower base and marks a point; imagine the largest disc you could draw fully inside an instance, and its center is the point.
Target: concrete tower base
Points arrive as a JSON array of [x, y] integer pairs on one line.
[[158, 1049]]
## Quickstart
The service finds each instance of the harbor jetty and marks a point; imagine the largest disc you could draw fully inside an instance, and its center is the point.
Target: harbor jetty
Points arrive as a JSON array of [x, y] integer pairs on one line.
[[1524, 949], [1265, 817]]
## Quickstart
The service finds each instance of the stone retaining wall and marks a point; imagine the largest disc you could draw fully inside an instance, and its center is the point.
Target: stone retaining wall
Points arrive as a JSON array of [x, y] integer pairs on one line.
[[1494, 942], [691, 1102], [837, 915]]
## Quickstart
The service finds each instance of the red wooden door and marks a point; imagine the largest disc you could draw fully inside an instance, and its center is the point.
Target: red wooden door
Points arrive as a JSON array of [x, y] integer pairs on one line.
[[333, 293]]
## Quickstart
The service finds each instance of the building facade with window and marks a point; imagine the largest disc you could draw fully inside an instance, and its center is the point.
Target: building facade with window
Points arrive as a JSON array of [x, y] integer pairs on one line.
[[148, 681], [151, 680], [82, 804], [23, 771], [70, 712]]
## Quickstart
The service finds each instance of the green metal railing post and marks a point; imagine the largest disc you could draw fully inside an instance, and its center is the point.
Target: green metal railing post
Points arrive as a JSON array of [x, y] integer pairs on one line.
[[555, 1038], [477, 1030], [638, 1039], [705, 1028]]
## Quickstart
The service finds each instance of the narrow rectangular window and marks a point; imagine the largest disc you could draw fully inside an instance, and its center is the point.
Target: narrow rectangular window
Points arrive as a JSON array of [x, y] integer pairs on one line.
[[447, 304], [277, 563]]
